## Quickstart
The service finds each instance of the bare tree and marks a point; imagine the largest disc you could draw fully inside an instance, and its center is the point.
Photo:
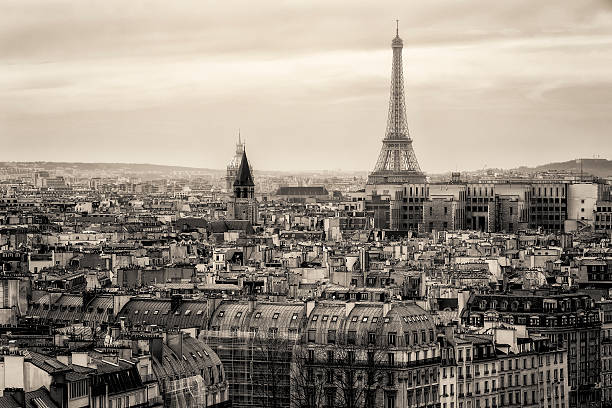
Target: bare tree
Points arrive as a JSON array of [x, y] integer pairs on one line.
[[307, 384], [345, 374], [272, 356]]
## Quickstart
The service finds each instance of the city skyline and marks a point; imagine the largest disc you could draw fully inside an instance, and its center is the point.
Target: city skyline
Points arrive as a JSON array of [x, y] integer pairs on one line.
[[523, 87]]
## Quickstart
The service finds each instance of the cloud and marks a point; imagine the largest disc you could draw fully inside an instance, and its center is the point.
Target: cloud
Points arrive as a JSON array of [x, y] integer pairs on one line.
[[307, 77]]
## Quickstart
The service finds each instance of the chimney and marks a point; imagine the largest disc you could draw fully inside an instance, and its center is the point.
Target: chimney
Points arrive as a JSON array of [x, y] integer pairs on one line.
[[175, 342], [13, 349], [252, 304], [348, 308], [386, 308], [175, 302], [80, 358], [156, 348], [310, 305]]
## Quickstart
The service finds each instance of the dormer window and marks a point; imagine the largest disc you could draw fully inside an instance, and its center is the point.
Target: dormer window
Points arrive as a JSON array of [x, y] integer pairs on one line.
[[221, 313], [238, 314], [324, 318], [257, 315], [275, 316]]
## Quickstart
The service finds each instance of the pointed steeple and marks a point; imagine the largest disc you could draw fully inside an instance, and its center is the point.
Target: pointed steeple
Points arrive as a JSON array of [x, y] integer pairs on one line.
[[244, 177]]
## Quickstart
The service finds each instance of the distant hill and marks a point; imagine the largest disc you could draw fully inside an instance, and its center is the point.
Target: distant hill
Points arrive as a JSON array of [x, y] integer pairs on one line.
[[160, 169], [596, 167]]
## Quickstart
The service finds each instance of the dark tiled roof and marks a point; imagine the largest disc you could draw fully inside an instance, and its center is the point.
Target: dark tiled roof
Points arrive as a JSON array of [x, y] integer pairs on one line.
[[188, 314], [46, 363], [197, 357], [230, 225], [39, 398], [8, 402], [119, 378], [302, 191]]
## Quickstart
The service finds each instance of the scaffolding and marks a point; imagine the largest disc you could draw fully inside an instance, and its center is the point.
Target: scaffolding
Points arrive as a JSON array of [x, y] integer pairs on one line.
[[257, 367], [186, 392]]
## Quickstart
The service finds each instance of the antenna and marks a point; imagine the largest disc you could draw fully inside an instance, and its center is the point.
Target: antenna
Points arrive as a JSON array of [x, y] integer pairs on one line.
[[238, 135], [397, 28]]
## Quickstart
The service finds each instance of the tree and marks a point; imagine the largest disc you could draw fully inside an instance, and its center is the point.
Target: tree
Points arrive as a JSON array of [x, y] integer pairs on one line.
[[344, 374], [271, 369]]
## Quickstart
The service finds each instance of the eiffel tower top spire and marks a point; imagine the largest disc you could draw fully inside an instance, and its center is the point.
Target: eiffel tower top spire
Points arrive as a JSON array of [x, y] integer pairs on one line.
[[397, 126]]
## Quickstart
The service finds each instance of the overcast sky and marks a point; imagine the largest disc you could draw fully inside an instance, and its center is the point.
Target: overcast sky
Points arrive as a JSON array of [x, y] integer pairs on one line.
[[498, 83]]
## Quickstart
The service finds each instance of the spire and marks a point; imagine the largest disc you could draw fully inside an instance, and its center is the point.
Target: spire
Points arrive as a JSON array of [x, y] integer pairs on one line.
[[397, 28], [244, 177], [397, 127], [239, 142]]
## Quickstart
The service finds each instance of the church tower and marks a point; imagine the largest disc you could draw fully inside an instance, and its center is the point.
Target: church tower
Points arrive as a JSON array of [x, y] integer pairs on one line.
[[242, 204]]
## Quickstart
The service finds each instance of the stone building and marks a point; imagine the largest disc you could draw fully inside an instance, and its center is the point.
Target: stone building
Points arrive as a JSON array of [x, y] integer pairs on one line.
[[568, 320]]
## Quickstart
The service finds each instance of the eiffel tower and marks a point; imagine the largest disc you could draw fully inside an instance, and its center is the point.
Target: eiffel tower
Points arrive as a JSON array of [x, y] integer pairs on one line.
[[397, 163]]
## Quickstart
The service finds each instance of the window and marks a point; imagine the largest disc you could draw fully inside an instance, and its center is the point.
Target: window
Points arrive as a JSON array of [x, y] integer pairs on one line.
[[331, 336], [78, 389], [275, 316], [315, 318], [391, 337], [257, 315], [311, 336], [391, 359]]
